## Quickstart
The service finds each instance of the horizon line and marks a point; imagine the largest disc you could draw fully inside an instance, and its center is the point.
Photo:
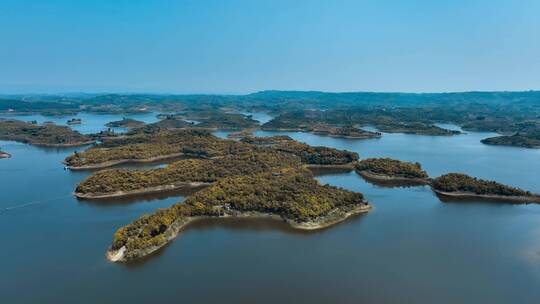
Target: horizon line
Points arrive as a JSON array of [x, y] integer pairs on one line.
[[142, 92]]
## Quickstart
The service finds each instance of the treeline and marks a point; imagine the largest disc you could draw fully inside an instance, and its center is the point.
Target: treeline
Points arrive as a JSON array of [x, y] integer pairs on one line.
[[457, 182], [391, 167], [292, 194], [185, 171]]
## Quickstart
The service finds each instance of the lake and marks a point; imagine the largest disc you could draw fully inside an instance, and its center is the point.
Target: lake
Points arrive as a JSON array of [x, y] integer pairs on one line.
[[411, 248]]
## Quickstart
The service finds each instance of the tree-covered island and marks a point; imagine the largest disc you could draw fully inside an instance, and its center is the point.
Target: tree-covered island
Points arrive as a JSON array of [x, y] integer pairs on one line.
[[387, 169], [457, 185]]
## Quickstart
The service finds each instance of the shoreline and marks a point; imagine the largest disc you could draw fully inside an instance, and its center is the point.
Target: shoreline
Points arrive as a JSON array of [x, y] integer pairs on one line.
[[389, 178], [112, 163], [367, 136], [340, 166], [46, 145], [470, 195], [335, 216], [148, 190]]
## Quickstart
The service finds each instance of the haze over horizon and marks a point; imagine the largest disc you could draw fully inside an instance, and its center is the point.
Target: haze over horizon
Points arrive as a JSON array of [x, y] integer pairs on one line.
[[239, 47]]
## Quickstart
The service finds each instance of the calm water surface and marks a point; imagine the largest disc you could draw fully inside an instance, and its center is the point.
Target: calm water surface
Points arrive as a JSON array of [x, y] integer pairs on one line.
[[411, 248]]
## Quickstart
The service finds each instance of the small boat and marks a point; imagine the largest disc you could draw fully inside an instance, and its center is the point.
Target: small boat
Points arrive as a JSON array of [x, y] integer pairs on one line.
[[74, 121]]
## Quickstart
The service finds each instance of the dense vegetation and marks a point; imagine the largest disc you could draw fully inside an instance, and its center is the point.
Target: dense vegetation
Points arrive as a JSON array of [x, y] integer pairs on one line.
[[41, 135], [294, 195], [316, 155], [391, 167], [185, 171], [146, 146], [125, 123], [456, 182]]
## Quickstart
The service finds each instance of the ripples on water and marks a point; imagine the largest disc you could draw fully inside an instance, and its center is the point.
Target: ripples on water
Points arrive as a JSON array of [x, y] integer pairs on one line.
[[411, 248]]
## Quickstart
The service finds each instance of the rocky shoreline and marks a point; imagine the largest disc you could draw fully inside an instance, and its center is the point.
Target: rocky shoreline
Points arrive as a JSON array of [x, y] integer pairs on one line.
[[124, 161], [333, 217], [370, 176], [69, 145], [489, 197], [148, 190], [348, 166]]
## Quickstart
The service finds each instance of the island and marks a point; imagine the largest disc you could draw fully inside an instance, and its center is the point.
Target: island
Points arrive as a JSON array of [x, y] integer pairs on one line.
[[181, 174], [291, 195], [125, 123], [42, 135], [462, 186], [391, 170], [344, 132]]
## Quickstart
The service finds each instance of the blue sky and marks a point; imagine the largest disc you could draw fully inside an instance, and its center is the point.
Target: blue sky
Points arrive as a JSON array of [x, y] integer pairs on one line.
[[235, 46]]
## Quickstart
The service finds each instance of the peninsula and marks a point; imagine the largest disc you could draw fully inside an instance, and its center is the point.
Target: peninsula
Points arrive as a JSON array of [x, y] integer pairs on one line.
[[291, 195]]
